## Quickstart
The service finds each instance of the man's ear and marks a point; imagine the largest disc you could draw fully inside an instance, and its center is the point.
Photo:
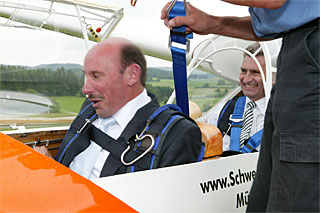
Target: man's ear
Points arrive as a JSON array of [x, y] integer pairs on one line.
[[133, 74]]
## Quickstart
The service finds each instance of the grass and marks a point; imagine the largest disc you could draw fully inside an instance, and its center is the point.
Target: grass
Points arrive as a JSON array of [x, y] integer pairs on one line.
[[205, 103], [69, 104], [162, 83], [205, 97]]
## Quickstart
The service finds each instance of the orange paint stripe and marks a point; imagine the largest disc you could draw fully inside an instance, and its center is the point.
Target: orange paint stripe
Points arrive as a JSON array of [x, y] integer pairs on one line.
[[31, 181]]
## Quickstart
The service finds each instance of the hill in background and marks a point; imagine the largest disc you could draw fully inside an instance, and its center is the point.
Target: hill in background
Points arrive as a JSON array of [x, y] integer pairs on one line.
[[153, 72]]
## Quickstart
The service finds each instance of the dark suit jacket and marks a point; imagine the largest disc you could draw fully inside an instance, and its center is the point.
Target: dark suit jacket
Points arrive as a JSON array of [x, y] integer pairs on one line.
[[182, 144]]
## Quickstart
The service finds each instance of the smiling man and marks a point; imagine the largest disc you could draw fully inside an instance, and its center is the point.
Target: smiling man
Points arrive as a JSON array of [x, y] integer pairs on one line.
[[241, 119]]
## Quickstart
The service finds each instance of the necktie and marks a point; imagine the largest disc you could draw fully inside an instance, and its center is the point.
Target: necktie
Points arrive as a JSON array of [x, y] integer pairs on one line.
[[106, 123], [247, 123], [84, 162]]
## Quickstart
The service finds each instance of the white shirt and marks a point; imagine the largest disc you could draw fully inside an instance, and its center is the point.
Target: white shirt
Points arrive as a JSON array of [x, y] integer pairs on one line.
[[122, 117], [258, 120]]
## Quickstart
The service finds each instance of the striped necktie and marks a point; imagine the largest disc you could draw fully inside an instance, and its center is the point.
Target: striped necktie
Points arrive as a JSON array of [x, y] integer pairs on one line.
[[247, 123]]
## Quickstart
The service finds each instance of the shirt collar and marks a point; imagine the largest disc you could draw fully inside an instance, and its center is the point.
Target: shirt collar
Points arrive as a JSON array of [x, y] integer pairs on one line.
[[126, 113], [261, 104]]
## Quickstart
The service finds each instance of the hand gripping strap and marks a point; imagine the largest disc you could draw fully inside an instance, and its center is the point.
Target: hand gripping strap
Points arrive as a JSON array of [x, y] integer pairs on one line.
[[178, 34]]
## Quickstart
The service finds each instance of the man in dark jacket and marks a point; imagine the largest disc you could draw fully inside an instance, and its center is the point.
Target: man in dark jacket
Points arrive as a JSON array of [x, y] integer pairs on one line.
[[116, 113]]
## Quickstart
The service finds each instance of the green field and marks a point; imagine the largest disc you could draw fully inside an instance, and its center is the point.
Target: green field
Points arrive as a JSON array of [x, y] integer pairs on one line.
[[162, 83], [68, 105], [204, 97], [205, 92]]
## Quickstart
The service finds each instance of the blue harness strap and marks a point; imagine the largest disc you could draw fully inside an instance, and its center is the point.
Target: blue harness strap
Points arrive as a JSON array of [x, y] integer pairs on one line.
[[221, 114], [163, 108], [179, 64], [252, 143], [159, 138], [85, 117], [163, 122], [201, 154], [236, 123]]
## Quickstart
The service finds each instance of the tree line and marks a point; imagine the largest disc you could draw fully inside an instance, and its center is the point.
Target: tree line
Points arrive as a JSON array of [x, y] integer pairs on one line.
[[52, 80], [59, 82]]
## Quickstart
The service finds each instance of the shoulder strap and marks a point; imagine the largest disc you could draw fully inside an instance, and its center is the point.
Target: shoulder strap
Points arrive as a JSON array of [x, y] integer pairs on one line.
[[116, 147], [236, 123], [224, 116], [160, 123], [225, 123], [252, 143], [78, 127]]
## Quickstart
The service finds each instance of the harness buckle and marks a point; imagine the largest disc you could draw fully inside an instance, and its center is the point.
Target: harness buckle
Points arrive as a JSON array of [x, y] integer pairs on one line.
[[84, 125], [187, 44], [173, 2], [235, 120], [138, 138]]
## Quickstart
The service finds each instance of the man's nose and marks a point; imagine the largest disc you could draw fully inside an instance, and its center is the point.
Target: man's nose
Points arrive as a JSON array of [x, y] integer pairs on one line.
[[87, 88], [247, 77]]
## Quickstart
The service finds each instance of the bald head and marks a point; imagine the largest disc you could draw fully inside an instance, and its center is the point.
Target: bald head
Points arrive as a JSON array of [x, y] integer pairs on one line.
[[115, 48], [115, 70], [107, 51], [104, 46]]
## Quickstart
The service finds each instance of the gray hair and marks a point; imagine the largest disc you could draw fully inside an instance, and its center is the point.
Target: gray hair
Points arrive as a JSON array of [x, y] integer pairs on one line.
[[253, 48]]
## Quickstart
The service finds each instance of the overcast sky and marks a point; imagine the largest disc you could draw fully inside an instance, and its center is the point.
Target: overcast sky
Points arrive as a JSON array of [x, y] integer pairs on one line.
[[29, 47], [33, 47]]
